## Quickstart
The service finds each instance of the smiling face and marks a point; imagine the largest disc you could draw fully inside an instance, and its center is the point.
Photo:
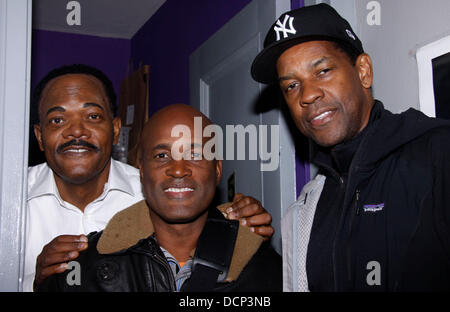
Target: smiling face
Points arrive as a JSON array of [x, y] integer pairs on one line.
[[177, 191], [329, 98], [77, 129]]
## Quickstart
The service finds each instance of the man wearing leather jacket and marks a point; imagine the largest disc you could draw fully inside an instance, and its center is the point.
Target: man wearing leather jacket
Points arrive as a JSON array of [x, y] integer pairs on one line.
[[80, 187], [174, 240]]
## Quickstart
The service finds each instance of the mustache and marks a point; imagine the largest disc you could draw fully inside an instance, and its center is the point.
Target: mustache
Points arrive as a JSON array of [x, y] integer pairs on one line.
[[180, 182], [74, 142]]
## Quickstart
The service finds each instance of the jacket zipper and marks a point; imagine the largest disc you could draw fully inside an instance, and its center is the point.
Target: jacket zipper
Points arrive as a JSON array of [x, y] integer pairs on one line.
[[162, 260], [342, 193], [357, 209], [153, 253], [354, 212]]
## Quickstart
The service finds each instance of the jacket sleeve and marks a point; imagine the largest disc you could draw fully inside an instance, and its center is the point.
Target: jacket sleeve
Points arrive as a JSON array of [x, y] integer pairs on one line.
[[70, 280], [52, 283], [441, 186]]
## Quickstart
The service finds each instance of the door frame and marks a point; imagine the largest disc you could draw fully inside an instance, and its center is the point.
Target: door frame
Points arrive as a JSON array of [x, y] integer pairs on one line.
[[284, 178], [15, 51]]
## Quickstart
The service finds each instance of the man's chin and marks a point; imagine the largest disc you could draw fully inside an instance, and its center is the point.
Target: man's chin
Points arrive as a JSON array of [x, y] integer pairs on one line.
[[181, 216], [78, 177], [327, 140], [78, 173]]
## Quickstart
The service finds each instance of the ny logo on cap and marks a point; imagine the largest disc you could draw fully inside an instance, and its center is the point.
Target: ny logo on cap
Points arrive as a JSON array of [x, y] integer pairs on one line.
[[281, 27]]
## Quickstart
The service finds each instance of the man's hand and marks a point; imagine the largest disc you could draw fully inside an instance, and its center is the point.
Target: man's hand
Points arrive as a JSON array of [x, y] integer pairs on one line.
[[251, 213], [55, 255]]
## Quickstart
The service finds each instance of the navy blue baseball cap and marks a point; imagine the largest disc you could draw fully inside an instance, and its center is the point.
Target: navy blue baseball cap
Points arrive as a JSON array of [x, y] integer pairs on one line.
[[316, 22]]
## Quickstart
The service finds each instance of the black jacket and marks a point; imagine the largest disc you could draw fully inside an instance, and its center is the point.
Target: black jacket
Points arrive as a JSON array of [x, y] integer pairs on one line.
[[125, 257], [391, 228]]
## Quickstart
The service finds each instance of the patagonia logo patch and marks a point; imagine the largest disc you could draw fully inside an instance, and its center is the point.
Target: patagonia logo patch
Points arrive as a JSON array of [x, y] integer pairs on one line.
[[373, 208]]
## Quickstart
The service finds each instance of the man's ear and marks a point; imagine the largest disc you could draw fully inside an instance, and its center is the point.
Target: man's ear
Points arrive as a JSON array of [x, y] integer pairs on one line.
[[139, 155], [141, 175], [117, 125], [365, 70], [139, 161], [218, 171], [38, 134]]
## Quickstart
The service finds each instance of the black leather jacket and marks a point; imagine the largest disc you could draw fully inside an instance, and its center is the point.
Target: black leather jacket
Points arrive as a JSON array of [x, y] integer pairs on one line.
[[142, 266]]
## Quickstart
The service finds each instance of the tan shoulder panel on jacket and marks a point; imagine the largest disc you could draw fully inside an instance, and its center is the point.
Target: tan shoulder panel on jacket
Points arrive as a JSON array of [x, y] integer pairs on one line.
[[247, 244], [129, 226], [223, 208], [126, 228]]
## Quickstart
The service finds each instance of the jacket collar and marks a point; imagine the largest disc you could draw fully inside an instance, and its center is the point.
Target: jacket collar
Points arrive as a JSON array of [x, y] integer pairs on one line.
[[133, 224], [344, 153], [338, 158], [126, 229], [386, 133]]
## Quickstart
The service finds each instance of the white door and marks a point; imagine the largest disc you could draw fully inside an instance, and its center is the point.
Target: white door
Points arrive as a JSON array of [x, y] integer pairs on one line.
[[222, 88], [15, 39]]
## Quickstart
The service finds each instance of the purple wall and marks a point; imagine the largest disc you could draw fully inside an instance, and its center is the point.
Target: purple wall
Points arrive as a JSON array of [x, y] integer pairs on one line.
[[296, 4], [52, 49], [164, 42], [170, 36]]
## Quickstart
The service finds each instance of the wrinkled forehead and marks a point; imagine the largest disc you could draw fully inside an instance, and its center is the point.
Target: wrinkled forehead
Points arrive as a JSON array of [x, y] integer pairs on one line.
[[309, 52], [74, 81], [71, 85]]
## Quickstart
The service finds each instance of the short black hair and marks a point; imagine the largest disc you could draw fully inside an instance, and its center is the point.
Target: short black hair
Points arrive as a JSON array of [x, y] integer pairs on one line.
[[66, 70], [347, 49]]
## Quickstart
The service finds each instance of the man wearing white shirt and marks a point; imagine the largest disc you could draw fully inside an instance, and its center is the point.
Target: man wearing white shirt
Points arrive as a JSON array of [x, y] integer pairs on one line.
[[45, 206], [81, 187]]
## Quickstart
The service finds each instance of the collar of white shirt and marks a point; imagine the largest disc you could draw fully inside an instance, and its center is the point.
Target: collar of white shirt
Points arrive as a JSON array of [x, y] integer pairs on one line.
[[41, 181]]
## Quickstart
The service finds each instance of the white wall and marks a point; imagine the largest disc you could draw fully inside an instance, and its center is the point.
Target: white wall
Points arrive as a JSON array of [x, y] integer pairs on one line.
[[405, 26]]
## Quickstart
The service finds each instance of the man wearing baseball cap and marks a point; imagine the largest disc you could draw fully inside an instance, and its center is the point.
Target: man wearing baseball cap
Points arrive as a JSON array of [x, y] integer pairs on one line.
[[377, 216]]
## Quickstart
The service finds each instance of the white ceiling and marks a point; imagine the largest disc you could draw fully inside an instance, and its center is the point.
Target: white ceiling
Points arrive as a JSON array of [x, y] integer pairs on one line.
[[104, 18]]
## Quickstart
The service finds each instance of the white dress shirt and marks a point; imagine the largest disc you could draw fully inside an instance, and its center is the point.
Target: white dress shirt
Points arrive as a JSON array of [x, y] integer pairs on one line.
[[48, 216]]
